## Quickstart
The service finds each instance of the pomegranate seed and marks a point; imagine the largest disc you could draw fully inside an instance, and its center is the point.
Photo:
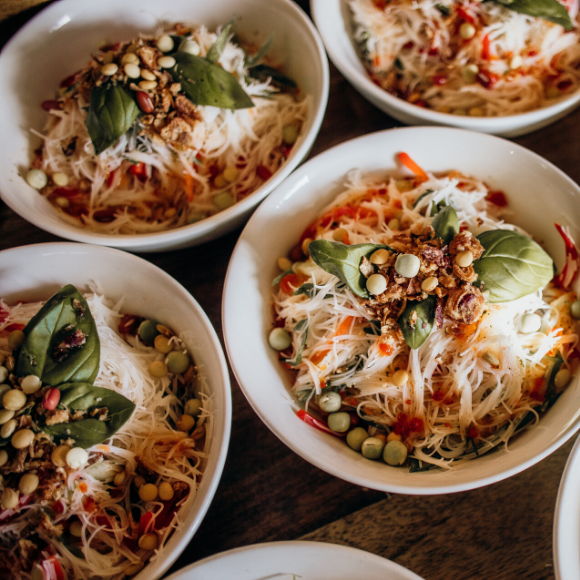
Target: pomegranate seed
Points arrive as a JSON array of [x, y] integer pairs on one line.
[[49, 105], [144, 101], [51, 399]]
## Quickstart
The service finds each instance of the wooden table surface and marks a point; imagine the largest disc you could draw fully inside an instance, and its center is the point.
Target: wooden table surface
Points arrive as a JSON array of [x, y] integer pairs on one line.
[[267, 493]]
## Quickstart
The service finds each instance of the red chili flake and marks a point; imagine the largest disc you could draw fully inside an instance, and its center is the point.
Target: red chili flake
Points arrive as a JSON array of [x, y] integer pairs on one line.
[[139, 170], [50, 105], [70, 80], [497, 198], [104, 216], [537, 396], [296, 253], [564, 85], [439, 79], [385, 349], [438, 395], [433, 51], [408, 402], [408, 45], [417, 425], [532, 53], [58, 507], [487, 79], [350, 401], [263, 172], [463, 227], [402, 417], [473, 432]]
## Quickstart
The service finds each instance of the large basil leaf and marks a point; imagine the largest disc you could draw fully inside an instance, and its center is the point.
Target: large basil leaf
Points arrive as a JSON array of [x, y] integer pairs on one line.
[[512, 266], [343, 261], [66, 311], [417, 330], [216, 49], [550, 10], [112, 111], [91, 431], [208, 84], [446, 224]]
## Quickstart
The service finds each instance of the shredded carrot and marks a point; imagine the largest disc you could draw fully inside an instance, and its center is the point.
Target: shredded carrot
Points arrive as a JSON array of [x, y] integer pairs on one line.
[[342, 329], [189, 187], [104, 448], [485, 47], [410, 164]]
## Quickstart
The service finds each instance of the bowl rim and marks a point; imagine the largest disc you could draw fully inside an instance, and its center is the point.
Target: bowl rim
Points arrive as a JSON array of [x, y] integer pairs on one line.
[[566, 512], [220, 453], [325, 548], [206, 229], [290, 185], [361, 79]]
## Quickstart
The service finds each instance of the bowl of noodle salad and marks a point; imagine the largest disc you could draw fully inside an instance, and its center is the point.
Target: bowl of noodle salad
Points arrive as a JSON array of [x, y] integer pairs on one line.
[[149, 127], [413, 335], [498, 67], [115, 414]]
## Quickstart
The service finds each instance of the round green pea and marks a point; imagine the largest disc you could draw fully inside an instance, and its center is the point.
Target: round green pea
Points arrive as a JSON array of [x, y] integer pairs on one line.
[[224, 200], [279, 339], [407, 265], [575, 309], [148, 331], [192, 407], [395, 453], [330, 402], [372, 448], [15, 339], [339, 422], [177, 362], [195, 217], [356, 437]]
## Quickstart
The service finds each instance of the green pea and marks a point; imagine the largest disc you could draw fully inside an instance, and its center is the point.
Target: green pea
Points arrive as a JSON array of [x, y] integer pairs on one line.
[[279, 339], [356, 437], [148, 331], [177, 362], [372, 448], [575, 309], [330, 402], [195, 217], [224, 200], [395, 453], [192, 407], [407, 265], [339, 422], [15, 339]]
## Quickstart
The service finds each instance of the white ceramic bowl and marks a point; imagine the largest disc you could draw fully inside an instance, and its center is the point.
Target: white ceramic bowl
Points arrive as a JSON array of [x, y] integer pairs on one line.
[[528, 181], [57, 42], [292, 560], [35, 272], [567, 520], [333, 20]]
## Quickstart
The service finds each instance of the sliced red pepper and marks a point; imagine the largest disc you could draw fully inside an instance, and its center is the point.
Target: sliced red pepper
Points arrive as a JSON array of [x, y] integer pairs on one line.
[[263, 172], [52, 569], [487, 79], [464, 15], [165, 516], [313, 422], [497, 198], [70, 80], [146, 521], [139, 170], [485, 47], [572, 266]]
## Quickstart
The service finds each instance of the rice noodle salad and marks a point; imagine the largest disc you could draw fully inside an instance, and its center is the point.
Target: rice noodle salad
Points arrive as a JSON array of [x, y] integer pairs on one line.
[[164, 131], [105, 426], [418, 324], [473, 58]]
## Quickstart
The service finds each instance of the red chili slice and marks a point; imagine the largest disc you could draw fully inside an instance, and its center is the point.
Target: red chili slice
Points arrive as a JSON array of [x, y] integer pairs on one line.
[[313, 422]]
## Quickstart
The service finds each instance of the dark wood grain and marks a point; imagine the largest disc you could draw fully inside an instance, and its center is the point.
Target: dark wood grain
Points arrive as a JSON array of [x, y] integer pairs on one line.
[[267, 493]]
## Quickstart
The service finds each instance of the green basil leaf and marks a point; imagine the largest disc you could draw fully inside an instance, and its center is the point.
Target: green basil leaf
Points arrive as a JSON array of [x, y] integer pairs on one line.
[[512, 266], [344, 261], [308, 289], [429, 191], [216, 49], [278, 278], [445, 10], [550, 10], [554, 365], [303, 324], [446, 224], [208, 84], [67, 310], [112, 110], [263, 73], [254, 59], [416, 330], [91, 431]]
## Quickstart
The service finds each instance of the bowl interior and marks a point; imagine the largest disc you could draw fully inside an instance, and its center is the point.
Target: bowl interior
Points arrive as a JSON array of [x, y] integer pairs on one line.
[[35, 272], [334, 22], [276, 226], [60, 39]]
